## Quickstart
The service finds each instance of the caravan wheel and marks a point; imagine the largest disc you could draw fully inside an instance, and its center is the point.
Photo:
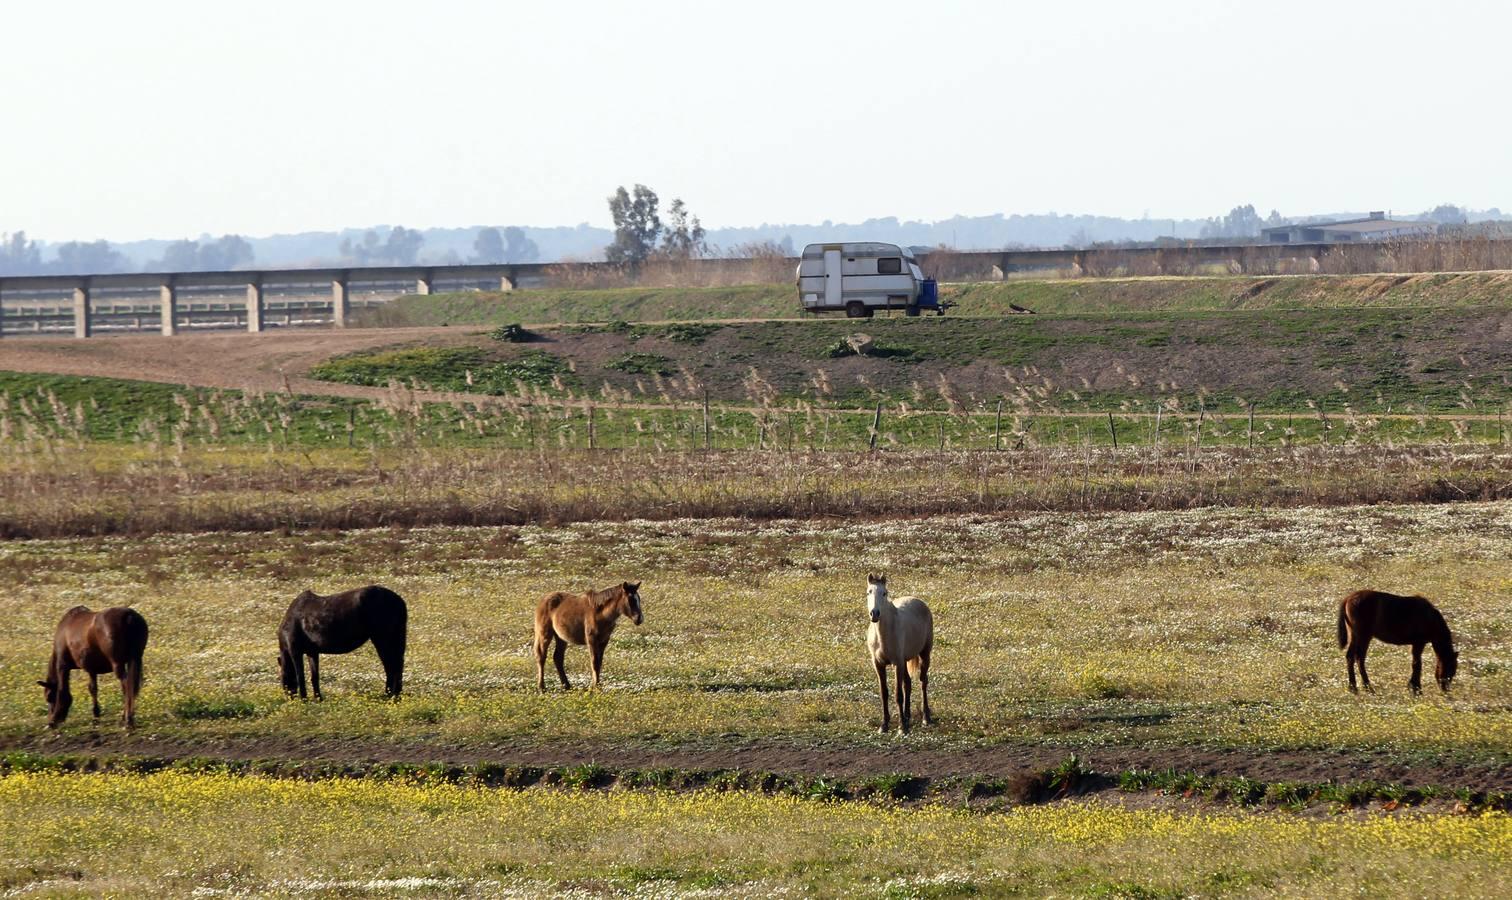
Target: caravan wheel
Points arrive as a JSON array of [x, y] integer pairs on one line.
[[856, 310]]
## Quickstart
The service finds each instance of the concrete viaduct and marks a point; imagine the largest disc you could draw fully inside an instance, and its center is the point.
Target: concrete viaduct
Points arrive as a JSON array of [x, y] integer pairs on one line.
[[326, 296]]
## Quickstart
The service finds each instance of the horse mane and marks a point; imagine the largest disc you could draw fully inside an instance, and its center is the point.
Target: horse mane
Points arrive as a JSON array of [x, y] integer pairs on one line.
[[604, 597], [1445, 635]]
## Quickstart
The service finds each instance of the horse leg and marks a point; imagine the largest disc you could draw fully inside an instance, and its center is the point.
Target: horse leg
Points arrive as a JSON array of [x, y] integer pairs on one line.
[[596, 659], [391, 654], [882, 680], [1416, 681], [904, 690], [558, 655], [132, 687], [299, 662], [123, 675], [94, 692], [1349, 662], [1364, 675], [315, 675], [542, 645], [924, 684]]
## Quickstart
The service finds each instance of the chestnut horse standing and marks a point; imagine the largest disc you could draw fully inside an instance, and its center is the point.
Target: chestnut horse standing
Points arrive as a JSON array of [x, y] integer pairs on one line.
[[1396, 620], [341, 623], [901, 634], [111, 640], [587, 618]]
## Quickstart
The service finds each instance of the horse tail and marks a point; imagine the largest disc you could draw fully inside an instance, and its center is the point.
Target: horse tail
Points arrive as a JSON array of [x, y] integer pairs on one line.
[[1343, 627]]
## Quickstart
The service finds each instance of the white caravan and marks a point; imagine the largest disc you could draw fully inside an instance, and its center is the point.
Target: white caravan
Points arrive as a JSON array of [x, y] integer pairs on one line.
[[863, 276]]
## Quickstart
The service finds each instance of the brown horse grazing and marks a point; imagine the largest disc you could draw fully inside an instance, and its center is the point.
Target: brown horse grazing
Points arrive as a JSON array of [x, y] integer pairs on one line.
[[111, 640], [587, 618], [341, 623], [1396, 620]]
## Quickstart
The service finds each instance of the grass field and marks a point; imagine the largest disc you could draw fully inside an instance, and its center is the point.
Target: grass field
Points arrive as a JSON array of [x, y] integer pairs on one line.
[[173, 834], [1135, 669], [1154, 630]]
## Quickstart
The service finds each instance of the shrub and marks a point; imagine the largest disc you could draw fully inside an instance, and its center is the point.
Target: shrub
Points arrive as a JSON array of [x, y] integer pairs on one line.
[[513, 333], [642, 364]]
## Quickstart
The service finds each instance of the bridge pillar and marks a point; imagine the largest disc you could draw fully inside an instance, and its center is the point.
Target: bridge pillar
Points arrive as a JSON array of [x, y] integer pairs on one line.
[[1079, 263], [169, 303], [81, 311], [341, 302], [506, 282], [423, 283], [254, 306]]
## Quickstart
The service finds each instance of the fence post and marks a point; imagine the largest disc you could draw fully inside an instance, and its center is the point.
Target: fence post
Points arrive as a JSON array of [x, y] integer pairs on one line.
[[706, 416], [942, 433], [997, 427], [876, 426], [592, 438], [1113, 430], [1249, 433]]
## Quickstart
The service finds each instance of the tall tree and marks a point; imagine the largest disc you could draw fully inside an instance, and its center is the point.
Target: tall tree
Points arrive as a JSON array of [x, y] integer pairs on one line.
[[488, 246], [403, 245], [19, 256], [519, 247], [88, 258], [684, 236], [1446, 214], [636, 225], [229, 251]]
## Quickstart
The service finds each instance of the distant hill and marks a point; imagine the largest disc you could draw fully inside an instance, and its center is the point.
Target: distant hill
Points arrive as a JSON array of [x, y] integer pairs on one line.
[[586, 242]]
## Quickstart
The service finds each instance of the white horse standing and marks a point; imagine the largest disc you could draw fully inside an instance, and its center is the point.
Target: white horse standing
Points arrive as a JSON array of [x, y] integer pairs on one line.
[[901, 634]]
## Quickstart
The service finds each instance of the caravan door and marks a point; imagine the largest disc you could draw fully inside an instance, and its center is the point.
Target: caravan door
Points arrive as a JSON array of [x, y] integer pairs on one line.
[[833, 288]]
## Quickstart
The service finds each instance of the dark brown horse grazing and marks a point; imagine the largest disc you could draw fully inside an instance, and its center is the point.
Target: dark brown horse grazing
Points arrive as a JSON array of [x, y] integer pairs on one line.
[[588, 618], [341, 623], [111, 640], [1396, 620]]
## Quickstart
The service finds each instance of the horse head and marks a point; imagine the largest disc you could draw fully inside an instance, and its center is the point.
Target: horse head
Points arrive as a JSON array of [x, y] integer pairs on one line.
[[58, 702], [1444, 669], [632, 606], [876, 595], [288, 671]]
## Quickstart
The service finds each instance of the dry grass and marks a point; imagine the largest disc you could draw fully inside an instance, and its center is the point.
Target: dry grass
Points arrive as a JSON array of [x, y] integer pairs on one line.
[[1144, 630], [105, 489]]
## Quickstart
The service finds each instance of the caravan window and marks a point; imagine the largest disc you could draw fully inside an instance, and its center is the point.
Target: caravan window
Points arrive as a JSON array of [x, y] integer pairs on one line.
[[889, 265]]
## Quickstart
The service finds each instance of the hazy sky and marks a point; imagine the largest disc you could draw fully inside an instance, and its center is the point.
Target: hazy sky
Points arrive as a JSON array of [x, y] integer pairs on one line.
[[163, 119]]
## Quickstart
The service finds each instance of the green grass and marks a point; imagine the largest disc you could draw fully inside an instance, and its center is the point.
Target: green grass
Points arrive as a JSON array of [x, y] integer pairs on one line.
[[176, 834], [552, 305]]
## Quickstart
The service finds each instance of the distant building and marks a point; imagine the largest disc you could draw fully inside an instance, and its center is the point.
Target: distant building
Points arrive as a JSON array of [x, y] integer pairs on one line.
[[1375, 228]]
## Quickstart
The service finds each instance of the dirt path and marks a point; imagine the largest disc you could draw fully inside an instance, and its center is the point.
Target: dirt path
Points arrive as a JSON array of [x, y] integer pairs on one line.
[[273, 361], [1494, 774]]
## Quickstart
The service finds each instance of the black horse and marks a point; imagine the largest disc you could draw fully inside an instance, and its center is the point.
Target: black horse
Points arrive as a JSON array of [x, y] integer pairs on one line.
[[341, 623]]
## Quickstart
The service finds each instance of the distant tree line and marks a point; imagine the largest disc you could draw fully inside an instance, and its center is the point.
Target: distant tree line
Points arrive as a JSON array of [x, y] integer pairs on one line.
[[21, 256]]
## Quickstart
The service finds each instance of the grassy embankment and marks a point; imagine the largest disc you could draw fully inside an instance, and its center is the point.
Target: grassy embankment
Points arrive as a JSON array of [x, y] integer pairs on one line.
[[1470, 289], [1298, 363]]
